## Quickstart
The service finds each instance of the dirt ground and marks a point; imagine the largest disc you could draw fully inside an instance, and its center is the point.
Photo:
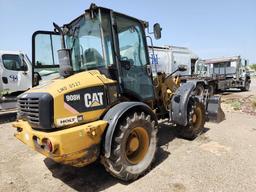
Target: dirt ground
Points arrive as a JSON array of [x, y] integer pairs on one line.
[[222, 159]]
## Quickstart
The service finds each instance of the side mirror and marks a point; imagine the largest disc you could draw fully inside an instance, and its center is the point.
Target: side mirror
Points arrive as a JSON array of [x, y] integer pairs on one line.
[[246, 62], [182, 68], [24, 67], [157, 31]]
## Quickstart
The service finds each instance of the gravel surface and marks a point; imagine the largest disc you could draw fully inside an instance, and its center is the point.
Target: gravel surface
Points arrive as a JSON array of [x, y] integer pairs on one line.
[[222, 159]]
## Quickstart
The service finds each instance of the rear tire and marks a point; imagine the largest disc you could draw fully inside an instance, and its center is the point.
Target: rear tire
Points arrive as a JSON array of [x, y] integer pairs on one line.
[[196, 120], [199, 90], [133, 147], [246, 86]]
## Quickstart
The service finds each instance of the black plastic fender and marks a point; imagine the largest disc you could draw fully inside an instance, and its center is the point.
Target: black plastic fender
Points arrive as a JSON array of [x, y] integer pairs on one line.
[[179, 104], [113, 116]]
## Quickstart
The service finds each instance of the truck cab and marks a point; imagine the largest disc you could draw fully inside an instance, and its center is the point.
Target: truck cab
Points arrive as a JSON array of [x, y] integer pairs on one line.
[[15, 72]]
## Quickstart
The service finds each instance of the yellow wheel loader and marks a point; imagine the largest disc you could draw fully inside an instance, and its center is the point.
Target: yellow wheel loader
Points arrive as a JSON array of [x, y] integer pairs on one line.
[[106, 103]]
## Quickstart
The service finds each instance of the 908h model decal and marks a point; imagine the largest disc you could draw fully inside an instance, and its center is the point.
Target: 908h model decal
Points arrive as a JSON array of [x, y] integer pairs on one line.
[[85, 100]]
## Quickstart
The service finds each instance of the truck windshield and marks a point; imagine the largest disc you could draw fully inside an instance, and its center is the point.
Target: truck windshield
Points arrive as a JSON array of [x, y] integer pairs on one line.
[[90, 42], [201, 69]]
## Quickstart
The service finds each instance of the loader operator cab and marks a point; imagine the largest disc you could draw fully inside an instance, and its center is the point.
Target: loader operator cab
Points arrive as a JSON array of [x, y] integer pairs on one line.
[[113, 43]]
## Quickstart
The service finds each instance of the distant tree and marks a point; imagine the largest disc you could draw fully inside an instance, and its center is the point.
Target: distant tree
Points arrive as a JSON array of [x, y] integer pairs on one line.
[[253, 66]]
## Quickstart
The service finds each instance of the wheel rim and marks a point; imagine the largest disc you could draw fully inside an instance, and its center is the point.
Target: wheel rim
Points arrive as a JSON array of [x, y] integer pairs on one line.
[[197, 118], [137, 145]]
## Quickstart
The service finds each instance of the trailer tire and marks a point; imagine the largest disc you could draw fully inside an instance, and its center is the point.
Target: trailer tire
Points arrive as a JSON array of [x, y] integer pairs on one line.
[[133, 147]]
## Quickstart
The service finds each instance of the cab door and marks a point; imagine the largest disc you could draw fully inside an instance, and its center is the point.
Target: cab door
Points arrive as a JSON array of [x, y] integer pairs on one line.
[[16, 73], [136, 77], [25, 75]]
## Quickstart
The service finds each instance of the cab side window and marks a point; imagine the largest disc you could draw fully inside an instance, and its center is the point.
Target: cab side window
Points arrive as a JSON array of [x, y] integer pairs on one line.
[[136, 80], [131, 41], [14, 63]]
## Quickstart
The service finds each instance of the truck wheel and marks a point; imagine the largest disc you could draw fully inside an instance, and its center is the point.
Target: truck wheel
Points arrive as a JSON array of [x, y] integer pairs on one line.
[[211, 90], [196, 120], [133, 147], [199, 90], [246, 86]]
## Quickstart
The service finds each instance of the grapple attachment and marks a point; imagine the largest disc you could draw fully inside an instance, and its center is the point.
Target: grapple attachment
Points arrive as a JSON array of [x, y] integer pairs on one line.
[[214, 111]]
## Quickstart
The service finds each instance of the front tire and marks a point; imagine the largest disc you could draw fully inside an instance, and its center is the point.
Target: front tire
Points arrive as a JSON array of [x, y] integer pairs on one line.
[[196, 120], [133, 147]]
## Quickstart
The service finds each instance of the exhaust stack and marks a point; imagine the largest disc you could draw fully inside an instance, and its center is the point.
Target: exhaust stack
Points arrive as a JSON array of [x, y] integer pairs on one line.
[[64, 55]]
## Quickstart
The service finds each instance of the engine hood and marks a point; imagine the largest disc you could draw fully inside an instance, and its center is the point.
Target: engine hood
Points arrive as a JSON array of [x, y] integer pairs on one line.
[[80, 80], [82, 97]]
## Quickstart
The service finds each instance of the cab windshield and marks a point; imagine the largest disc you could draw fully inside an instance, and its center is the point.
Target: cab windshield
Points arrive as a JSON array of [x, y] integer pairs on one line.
[[90, 42]]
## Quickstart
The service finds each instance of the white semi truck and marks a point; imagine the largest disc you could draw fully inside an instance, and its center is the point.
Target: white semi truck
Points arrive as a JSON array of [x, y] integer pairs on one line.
[[15, 72], [17, 75], [212, 75], [226, 72], [168, 58]]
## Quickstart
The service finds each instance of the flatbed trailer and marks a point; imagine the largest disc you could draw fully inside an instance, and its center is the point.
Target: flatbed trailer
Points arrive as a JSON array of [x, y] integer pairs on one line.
[[211, 75], [220, 74]]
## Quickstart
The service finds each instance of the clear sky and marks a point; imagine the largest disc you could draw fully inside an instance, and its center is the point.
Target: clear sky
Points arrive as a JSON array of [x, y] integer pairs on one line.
[[211, 28]]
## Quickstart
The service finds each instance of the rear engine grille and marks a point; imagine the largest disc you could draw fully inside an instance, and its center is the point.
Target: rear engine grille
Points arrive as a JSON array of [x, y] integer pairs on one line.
[[29, 109]]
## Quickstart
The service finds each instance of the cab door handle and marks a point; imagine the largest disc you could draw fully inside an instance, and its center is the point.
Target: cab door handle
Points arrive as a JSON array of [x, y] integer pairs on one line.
[[149, 71]]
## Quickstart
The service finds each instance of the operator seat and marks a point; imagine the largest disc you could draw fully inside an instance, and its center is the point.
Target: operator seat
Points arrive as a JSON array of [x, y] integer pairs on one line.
[[94, 60], [93, 57]]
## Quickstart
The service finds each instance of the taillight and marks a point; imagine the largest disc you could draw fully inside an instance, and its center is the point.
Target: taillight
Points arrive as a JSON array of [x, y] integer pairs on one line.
[[47, 145]]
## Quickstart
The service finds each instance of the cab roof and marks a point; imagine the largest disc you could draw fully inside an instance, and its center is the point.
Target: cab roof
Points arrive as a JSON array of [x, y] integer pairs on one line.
[[2, 52], [95, 7]]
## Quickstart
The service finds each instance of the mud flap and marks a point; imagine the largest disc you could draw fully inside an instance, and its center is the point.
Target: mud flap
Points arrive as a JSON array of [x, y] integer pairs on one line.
[[214, 112]]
